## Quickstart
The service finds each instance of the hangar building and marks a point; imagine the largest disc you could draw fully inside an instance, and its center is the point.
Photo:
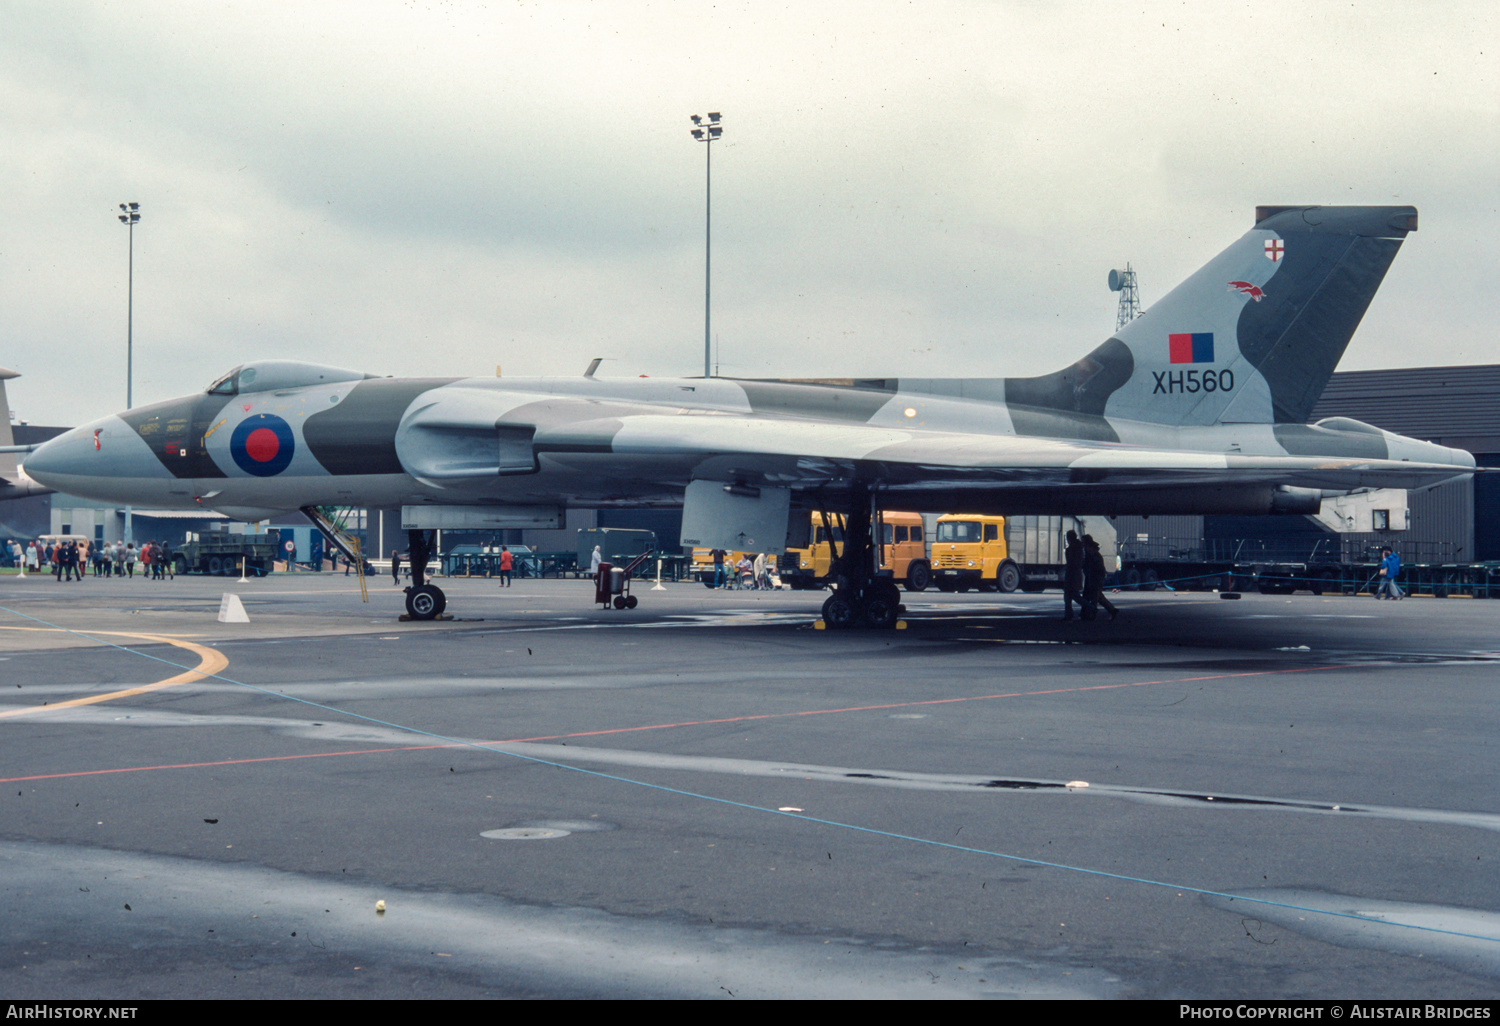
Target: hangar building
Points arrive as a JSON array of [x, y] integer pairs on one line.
[[1454, 523]]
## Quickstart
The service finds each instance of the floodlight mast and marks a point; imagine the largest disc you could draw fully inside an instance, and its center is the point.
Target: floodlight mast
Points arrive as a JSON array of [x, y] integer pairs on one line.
[[707, 134], [130, 214]]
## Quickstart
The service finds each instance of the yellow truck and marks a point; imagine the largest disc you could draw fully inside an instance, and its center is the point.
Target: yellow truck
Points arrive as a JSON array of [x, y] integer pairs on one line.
[[970, 552], [903, 551], [1009, 553]]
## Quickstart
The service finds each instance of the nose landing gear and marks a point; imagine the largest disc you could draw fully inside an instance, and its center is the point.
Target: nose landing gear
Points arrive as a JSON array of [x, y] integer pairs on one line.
[[423, 601]]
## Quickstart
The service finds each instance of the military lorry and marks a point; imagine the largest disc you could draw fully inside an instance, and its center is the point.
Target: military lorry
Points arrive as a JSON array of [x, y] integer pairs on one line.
[[220, 549]]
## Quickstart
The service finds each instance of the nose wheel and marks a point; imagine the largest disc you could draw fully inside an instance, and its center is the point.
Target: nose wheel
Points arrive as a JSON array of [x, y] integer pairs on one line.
[[425, 602]]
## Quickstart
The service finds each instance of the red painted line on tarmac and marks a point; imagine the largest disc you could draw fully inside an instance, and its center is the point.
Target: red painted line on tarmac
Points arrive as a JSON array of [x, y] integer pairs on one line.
[[669, 726]]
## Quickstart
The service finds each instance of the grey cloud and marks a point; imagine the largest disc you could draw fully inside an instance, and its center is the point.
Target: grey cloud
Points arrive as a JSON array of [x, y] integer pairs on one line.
[[901, 191]]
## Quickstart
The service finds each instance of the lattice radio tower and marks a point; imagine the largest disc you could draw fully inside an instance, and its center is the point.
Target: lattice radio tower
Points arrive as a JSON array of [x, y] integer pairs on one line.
[[1123, 282]]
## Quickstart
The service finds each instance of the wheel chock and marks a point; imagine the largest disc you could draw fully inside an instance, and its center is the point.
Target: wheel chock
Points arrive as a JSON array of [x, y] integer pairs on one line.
[[232, 610]]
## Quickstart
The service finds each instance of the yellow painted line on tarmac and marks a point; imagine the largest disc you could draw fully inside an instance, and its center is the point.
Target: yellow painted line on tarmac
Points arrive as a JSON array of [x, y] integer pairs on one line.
[[210, 661]]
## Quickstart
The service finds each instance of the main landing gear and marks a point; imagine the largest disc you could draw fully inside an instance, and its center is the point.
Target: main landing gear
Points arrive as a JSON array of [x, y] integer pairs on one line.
[[860, 597], [423, 601]]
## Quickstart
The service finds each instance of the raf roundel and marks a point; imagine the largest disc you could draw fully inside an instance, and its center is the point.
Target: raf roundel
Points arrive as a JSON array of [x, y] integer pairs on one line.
[[262, 445]]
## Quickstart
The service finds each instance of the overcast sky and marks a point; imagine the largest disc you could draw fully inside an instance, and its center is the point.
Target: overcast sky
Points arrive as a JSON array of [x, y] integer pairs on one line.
[[923, 189]]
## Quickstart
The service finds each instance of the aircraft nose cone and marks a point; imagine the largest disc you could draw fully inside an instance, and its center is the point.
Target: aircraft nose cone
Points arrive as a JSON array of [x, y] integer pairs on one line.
[[63, 457], [103, 460]]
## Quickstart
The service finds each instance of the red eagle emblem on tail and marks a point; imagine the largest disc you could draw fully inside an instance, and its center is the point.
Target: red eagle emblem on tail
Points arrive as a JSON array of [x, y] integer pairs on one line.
[[1255, 292]]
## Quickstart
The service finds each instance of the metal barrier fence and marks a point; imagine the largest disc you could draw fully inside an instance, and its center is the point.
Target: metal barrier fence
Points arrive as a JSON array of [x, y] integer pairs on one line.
[[1434, 580], [550, 564], [1362, 548]]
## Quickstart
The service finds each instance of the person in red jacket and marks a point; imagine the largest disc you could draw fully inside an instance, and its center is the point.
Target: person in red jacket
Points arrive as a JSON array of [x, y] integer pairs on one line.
[[506, 562]]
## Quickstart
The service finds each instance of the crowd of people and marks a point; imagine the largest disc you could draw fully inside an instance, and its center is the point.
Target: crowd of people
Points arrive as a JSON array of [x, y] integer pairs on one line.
[[73, 559], [750, 574]]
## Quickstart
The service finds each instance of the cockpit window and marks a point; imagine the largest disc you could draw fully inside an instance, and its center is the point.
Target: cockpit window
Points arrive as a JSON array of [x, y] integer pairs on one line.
[[270, 375], [225, 385]]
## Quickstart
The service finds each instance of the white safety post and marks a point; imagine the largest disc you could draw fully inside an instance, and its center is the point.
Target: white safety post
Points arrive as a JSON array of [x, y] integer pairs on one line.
[[658, 577], [243, 578]]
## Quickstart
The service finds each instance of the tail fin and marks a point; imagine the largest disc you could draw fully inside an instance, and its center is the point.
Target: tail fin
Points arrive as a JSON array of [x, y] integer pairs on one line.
[[1251, 337], [9, 464]]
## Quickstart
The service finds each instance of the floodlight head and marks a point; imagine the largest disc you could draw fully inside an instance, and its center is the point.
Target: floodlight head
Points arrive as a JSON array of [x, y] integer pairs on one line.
[[713, 116], [715, 132], [122, 206], [696, 119], [124, 219], [135, 206], [698, 134]]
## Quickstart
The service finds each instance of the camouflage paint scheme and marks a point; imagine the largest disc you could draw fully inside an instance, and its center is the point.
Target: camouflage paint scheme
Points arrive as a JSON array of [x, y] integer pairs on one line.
[[1199, 405]]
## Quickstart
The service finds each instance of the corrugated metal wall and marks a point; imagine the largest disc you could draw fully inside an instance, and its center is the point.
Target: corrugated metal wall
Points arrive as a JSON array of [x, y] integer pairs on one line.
[[1441, 528], [1487, 511], [1166, 537], [1457, 406]]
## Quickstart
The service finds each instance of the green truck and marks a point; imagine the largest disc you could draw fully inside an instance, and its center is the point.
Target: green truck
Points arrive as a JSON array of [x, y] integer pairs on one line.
[[220, 552]]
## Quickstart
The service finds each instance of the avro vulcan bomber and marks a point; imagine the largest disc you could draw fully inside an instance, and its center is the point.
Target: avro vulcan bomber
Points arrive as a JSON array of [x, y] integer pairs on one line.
[[1199, 405]]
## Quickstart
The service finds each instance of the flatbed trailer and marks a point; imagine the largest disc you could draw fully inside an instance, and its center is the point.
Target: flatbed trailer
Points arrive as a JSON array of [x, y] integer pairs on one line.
[[1435, 580]]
